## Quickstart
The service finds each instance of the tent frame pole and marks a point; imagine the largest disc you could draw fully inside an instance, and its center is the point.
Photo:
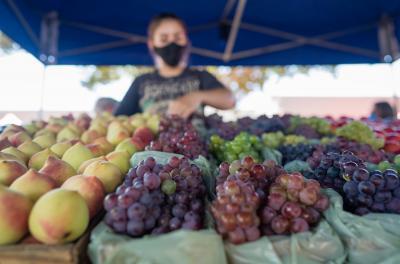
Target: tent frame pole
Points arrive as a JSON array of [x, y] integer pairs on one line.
[[388, 45], [23, 22], [234, 30]]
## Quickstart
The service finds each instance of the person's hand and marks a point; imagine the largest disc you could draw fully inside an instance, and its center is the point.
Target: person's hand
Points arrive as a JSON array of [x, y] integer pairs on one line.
[[185, 105]]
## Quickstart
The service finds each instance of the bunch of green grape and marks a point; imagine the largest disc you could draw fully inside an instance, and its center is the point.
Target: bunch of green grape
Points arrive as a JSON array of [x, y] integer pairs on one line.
[[294, 140], [320, 125], [360, 132], [273, 139], [241, 146], [276, 139]]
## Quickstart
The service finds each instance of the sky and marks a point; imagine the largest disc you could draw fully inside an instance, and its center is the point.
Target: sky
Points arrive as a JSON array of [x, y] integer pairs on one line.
[[23, 81]]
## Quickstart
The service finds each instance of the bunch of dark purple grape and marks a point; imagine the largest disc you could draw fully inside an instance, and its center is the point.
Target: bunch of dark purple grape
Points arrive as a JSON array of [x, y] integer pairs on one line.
[[362, 151], [376, 192], [296, 152], [226, 130], [306, 131], [235, 211], [178, 135], [329, 168], [260, 176], [261, 124], [294, 205], [156, 199]]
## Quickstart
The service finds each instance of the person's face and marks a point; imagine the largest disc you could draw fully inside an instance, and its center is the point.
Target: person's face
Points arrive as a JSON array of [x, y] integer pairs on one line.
[[168, 31]]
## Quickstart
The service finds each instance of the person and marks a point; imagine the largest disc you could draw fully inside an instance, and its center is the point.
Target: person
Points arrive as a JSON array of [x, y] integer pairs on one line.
[[173, 87], [105, 104], [382, 112]]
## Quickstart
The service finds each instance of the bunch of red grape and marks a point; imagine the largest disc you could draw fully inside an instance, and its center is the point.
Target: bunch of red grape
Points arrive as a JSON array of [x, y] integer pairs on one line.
[[235, 211], [294, 205], [156, 199], [260, 176], [376, 192], [178, 135]]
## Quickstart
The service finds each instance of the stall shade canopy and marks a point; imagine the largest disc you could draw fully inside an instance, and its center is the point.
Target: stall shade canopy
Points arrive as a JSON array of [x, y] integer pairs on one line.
[[222, 32]]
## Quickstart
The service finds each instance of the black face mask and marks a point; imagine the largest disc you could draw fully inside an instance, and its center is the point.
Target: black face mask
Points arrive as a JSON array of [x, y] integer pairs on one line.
[[171, 54]]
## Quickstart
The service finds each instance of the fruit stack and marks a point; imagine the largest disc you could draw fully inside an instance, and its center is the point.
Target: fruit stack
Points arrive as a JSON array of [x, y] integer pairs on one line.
[[294, 205], [178, 136], [261, 199], [54, 175], [156, 199]]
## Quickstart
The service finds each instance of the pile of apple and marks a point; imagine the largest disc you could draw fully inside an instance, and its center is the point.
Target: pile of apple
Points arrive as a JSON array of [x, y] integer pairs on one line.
[[54, 175]]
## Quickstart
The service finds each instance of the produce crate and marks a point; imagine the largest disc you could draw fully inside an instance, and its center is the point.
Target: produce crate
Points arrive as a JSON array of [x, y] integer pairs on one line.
[[72, 253]]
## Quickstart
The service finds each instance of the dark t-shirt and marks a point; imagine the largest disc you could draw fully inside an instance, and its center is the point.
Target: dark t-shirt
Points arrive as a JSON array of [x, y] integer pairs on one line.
[[152, 93]]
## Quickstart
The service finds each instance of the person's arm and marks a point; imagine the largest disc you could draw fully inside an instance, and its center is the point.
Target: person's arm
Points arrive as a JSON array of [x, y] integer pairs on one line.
[[211, 93], [130, 103]]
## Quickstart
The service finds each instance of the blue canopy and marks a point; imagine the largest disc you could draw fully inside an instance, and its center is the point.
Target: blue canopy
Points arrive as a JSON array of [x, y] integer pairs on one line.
[[223, 32]]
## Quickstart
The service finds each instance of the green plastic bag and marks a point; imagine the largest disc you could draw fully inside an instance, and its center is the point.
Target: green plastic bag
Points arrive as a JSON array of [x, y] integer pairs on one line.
[[182, 246], [272, 154], [373, 238], [297, 166], [177, 247], [321, 245]]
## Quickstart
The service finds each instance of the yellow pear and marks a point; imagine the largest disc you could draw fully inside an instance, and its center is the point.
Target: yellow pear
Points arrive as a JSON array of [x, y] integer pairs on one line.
[[120, 159], [89, 136], [137, 121], [45, 140], [44, 131], [67, 134], [55, 128], [90, 188], [31, 128], [37, 160], [5, 143], [116, 133], [101, 129], [10, 170], [88, 162], [77, 154], [127, 124], [75, 128], [153, 123], [19, 138], [126, 145], [6, 156], [96, 150], [105, 145], [29, 148], [83, 121], [13, 128], [58, 121], [14, 211], [60, 148], [33, 184], [17, 153], [108, 173], [58, 217], [57, 169]]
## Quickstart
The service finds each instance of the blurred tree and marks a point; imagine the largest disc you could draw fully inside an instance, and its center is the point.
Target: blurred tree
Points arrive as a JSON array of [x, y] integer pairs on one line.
[[239, 79], [6, 44]]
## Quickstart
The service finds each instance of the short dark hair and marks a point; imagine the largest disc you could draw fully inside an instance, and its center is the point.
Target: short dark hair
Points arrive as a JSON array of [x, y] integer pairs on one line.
[[158, 19], [384, 110]]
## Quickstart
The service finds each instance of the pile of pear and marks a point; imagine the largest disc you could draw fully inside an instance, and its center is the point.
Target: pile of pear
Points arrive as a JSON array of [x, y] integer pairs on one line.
[[54, 175]]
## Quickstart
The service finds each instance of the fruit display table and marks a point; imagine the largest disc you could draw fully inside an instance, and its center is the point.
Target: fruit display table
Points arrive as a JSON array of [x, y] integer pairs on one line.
[[282, 189]]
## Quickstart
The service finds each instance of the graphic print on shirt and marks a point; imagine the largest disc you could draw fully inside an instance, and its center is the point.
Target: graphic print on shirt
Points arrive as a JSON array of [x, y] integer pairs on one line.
[[157, 94]]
